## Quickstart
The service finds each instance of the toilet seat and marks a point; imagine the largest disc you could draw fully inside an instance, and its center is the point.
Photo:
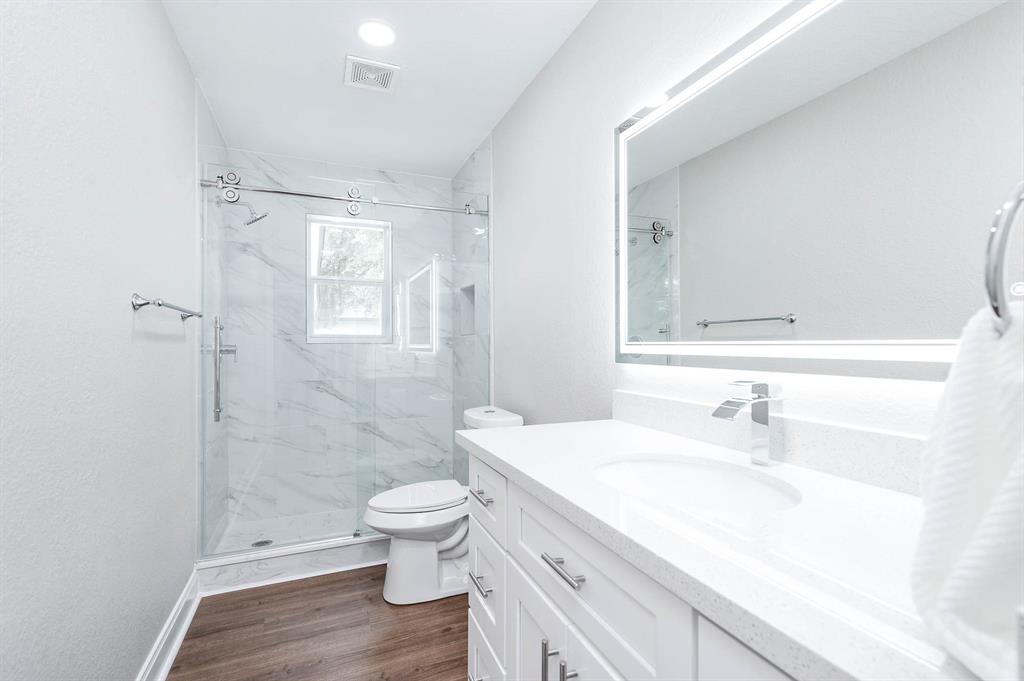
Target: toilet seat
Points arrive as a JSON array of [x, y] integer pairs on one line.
[[419, 497]]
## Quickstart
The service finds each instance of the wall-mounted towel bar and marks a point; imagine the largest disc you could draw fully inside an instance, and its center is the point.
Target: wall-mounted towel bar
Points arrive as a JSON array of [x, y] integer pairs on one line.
[[138, 301], [788, 317], [998, 241]]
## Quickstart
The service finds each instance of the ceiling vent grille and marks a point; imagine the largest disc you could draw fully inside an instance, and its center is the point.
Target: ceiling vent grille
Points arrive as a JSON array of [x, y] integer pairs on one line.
[[369, 74]]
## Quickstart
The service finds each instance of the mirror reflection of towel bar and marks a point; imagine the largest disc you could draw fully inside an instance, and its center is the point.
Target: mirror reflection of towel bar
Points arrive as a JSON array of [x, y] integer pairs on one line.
[[666, 232], [788, 317]]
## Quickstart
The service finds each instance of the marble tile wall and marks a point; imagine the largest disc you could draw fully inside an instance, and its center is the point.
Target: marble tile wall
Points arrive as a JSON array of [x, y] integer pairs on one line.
[[312, 431], [653, 270], [653, 267], [471, 341]]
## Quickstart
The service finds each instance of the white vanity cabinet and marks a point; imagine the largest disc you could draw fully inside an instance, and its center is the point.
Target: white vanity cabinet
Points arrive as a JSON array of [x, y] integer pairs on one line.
[[720, 657], [544, 645], [549, 603], [488, 585], [483, 662]]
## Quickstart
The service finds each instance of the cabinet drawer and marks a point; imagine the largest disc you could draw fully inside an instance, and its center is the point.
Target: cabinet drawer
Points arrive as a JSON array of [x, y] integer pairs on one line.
[[488, 498], [487, 589], [483, 665], [720, 657], [641, 628]]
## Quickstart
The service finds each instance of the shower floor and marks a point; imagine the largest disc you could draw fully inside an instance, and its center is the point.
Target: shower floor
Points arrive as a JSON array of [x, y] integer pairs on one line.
[[240, 535], [336, 627]]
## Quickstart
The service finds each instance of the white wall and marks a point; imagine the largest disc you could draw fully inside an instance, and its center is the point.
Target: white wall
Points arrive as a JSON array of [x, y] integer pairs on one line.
[[554, 220], [98, 423]]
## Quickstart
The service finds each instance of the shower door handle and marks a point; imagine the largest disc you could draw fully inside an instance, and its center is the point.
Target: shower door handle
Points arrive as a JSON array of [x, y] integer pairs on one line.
[[217, 328], [218, 351]]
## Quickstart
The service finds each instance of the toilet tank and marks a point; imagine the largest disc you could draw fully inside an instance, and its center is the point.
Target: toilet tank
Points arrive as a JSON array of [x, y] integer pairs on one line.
[[490, 417]]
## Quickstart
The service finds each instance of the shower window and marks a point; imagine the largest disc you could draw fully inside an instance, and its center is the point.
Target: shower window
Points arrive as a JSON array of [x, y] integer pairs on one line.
[[348, 280]]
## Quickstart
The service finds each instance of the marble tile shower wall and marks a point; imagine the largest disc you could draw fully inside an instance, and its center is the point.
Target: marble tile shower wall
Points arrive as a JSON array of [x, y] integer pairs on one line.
[[653, 268], [471, 341], [314, 430], [652, 281]]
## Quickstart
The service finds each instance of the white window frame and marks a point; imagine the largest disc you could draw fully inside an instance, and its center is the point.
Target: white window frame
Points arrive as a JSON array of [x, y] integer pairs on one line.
[[430, 271], [387, 327]]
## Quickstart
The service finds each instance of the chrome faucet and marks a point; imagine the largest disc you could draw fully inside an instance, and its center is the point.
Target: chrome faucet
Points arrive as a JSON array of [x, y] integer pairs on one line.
[[762, 395]]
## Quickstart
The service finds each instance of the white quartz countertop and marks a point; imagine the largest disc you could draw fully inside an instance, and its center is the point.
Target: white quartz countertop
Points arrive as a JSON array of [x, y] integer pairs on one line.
[[821, 589]]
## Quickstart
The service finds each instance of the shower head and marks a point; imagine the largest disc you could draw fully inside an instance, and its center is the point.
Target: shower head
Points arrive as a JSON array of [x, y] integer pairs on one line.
[[254, 218]]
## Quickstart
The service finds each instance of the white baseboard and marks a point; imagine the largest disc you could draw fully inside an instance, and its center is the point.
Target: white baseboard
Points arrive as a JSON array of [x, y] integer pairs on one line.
[[165, 649], [283, 564]]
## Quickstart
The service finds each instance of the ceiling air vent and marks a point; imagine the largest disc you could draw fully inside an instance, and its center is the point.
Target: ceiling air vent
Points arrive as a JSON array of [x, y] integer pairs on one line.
[[369, 74]]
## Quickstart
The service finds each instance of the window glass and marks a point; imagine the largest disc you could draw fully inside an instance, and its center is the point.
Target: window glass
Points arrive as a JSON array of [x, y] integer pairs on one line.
[[348, 297]]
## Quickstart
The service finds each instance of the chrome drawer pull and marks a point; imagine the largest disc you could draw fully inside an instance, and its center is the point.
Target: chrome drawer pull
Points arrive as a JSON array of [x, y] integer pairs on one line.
[[469, 677], [479, 586], [556, 565], [545, 653], [478, 494], [564, 674]]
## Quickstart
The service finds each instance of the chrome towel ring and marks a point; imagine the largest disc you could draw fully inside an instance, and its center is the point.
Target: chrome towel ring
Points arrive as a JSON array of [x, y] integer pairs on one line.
[[998, 241]]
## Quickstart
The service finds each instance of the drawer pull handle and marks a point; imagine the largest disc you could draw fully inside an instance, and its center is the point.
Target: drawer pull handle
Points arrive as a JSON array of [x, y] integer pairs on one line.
[[479, 585], [478, 494], [564, 674], [545, 653], [556, 564], [469, 677]]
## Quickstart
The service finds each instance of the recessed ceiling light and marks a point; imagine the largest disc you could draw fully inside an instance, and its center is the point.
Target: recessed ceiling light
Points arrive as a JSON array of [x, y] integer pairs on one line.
[[377, 34]]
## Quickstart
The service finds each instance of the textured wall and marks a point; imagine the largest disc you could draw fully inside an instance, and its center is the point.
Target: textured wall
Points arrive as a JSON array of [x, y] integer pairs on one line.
[[98, 427]]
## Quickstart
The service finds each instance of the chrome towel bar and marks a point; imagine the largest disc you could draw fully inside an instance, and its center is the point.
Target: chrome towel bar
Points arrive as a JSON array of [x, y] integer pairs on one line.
[[998, 241], [138, 301], [788, 317]]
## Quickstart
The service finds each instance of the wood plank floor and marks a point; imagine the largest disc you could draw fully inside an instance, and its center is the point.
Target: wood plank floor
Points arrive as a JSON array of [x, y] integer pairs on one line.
[[335, 627]]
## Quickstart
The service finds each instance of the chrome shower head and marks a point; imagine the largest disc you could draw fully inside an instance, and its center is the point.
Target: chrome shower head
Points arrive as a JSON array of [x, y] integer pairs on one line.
[[254, 218]]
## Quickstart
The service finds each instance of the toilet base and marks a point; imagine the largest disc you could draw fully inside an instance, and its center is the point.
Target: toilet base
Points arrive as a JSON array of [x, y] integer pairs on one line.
[[416, 575]]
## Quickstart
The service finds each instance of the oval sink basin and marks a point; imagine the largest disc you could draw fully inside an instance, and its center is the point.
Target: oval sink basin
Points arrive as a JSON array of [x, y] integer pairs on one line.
[[741, 498]]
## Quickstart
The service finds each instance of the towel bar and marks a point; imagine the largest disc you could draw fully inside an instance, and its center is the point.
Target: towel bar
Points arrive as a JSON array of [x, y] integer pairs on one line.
[[998, 241], [138, 301]]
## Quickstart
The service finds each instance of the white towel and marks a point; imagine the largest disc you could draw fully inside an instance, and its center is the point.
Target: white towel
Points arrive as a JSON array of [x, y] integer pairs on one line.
[[967, 573]]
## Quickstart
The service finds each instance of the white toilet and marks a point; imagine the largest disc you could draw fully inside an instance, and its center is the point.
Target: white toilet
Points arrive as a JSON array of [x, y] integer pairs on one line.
[[428, 523]]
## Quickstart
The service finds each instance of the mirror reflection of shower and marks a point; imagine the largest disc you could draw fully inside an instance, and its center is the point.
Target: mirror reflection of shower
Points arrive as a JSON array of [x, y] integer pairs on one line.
[[254, 217]]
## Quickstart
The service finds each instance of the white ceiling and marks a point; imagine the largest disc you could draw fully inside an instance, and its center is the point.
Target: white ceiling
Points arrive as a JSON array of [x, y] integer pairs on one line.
[[273, 73]]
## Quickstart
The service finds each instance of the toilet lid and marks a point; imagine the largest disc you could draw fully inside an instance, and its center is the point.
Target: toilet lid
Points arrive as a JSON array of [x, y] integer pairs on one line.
[[432, 495]]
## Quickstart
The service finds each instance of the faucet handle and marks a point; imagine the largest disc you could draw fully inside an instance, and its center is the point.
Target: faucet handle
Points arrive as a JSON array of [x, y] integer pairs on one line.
[[760, 389]]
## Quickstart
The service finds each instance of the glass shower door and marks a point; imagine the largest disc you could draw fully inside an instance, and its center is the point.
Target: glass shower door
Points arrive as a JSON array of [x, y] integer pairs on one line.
[[359, 336], [283, 463]]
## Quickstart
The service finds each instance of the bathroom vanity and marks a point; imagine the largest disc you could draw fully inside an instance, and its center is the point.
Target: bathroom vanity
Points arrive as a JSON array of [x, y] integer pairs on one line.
[[608, 550]]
